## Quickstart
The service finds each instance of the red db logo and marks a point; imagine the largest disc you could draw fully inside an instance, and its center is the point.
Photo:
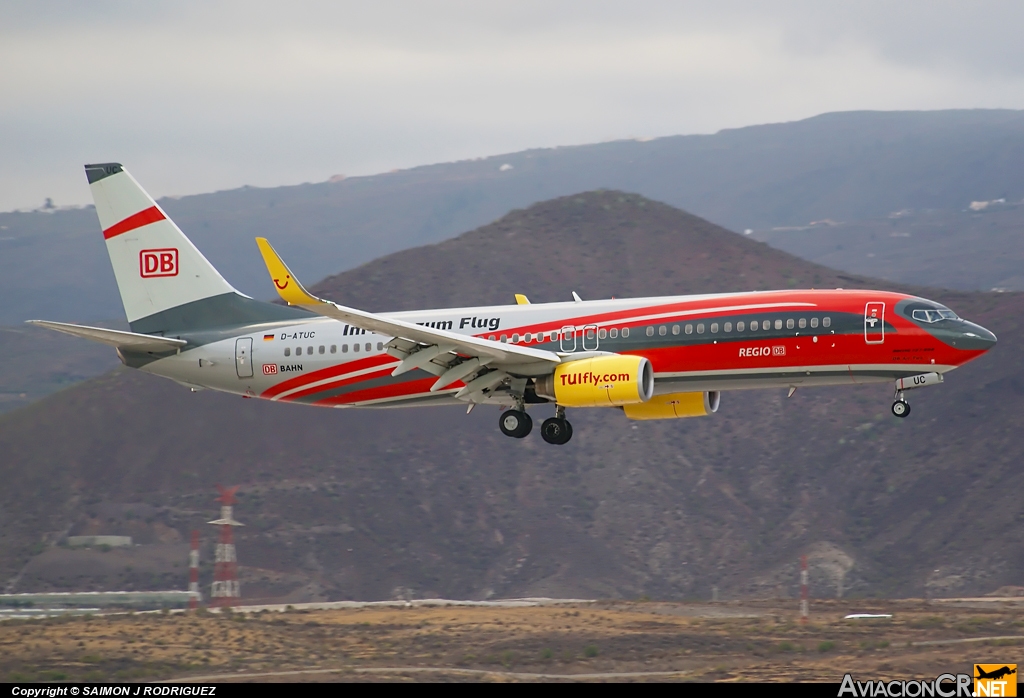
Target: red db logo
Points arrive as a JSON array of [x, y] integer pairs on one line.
[[269, 369], [162, 262]]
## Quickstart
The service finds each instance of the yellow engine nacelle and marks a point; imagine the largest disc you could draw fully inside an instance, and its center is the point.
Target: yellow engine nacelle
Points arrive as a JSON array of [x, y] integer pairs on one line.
[[675, 405], [603, 381]]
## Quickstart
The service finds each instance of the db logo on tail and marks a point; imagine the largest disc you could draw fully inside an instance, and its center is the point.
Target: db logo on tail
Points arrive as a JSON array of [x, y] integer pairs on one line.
[[162, 262]]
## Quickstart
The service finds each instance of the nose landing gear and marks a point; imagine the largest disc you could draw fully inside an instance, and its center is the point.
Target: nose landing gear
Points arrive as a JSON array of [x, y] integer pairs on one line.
[[900, 406]]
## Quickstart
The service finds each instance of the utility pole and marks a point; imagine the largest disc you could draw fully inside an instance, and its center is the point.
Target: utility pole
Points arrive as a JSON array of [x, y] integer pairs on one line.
[[193, 573], [803, 589]]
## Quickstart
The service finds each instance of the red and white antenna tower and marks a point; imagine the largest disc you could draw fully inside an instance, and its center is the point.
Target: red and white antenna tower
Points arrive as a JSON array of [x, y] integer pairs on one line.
[[803, 589], [193, 573], [225, 589]]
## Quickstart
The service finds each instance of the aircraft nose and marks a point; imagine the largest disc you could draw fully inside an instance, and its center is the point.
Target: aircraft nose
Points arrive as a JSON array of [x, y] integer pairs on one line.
[[976, 337]]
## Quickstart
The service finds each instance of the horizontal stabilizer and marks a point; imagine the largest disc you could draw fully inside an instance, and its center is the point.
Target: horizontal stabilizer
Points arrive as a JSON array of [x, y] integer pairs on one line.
[[115, 338]]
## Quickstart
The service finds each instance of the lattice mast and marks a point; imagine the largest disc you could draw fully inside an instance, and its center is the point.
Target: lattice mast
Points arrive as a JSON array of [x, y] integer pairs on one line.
[[803, 589], [226, 590], [193, 573]]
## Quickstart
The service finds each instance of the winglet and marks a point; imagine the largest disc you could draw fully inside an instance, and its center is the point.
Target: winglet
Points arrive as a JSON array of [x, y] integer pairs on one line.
[[522, 300], [288, 287]]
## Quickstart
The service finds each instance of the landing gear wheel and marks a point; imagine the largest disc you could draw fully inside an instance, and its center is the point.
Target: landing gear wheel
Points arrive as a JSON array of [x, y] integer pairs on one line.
[[901, 408], [556, 431], [515, 423]]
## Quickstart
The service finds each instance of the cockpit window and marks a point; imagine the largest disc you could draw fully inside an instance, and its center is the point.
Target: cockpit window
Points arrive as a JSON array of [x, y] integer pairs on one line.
[[934, 315]]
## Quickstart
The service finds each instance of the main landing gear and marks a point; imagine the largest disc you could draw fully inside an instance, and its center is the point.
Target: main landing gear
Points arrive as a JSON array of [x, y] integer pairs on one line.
[[515, 423], [555, 430], [900, 406]]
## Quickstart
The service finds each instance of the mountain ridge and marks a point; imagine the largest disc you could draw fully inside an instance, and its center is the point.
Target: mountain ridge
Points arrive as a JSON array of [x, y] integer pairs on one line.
[[842, 166]]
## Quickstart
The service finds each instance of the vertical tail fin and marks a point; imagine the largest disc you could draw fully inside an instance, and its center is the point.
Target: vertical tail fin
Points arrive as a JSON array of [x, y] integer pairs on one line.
[[157, 268]]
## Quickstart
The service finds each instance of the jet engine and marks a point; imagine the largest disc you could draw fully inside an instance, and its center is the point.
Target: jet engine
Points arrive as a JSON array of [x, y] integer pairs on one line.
[[602, 381], [675, 406]]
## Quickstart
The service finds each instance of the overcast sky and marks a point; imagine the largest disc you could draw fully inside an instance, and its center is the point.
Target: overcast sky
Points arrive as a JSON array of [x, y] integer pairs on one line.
[[199, 96]]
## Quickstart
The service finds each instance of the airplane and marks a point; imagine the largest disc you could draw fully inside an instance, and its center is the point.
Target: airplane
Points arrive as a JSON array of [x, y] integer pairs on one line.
[[995, 673], [654, 358]]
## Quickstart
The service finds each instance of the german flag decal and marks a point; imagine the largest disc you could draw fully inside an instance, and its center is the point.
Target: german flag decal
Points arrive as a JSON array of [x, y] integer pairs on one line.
[[268, 338]]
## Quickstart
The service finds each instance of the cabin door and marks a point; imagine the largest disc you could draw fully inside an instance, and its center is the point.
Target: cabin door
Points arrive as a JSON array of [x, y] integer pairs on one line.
[[243, 357], [874, 323]]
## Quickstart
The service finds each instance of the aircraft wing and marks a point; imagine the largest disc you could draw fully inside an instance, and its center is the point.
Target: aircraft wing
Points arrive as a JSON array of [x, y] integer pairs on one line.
[[132, 341], [423, 346]]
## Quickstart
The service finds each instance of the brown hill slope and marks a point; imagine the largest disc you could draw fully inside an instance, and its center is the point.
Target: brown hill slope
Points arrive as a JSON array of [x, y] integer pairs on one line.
[[599, 244], [369, 505]]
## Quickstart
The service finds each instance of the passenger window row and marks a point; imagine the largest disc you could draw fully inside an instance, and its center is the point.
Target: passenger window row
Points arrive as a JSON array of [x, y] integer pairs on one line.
[[368, 346], [553, 336], [602, 333], [663, 330], [741, 326]]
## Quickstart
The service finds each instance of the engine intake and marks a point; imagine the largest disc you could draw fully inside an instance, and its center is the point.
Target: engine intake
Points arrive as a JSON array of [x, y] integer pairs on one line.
[[603, 381], [676, 406]]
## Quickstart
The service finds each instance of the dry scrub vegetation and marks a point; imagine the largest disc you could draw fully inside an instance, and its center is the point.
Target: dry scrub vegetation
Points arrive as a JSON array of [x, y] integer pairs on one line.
[[704, 642]]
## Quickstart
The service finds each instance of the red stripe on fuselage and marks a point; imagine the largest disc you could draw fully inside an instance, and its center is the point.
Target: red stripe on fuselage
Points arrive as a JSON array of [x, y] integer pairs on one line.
[[324, 373], [724, 353], [336, 384], [136, 220], [408, 389]]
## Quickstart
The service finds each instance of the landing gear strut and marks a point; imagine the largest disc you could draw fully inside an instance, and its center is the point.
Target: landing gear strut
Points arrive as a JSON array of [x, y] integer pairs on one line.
[[900, 406], [515, 423]]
